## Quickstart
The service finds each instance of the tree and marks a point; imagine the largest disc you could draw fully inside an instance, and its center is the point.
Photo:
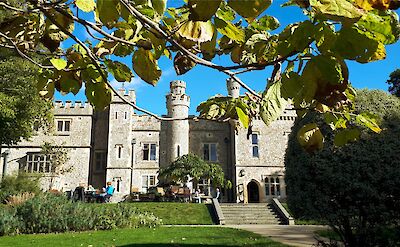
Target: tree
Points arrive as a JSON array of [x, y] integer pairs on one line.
[[21, 106], [309, 57], [394, 82], [190, 166], [58, 156], [354, 188]]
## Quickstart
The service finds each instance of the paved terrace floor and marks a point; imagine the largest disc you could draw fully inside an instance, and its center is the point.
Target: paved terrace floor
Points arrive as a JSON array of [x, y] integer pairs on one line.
[[300, 235]]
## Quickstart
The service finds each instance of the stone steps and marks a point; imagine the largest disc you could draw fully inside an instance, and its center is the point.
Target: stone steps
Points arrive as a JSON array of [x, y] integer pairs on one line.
[[243, 214]]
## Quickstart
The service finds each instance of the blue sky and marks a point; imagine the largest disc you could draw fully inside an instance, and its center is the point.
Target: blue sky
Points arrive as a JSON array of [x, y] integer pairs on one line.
[[203, 82]]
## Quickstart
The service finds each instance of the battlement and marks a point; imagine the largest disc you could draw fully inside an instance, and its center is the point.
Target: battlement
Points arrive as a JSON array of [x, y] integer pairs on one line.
[[68, 104], [129, 95], [177, 83], [72, 108], [177, 87]]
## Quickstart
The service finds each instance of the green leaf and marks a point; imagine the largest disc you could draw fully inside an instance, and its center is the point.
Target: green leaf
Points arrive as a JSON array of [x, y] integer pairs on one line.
[[85, 5], [58, 63], [120, 71], [197, 31], [296, 37], [249, 9], [383, 26], [68, 82], [201, 10], [266, 23], [99, 94], [292, 85], [225, 12], [182, 64], [273, 103], [146, 66], [337, 10], [243, 118], [107, 12], [231, 31], [369, 121], [345, 136], [355, 44], [310, 137]]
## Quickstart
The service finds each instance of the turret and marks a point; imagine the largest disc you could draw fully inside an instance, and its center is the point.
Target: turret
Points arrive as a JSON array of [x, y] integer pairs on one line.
[[178, 134], [233, 88]]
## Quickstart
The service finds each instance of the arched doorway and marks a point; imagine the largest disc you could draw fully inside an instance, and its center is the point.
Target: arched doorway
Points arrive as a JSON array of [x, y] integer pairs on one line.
[[253, 192]]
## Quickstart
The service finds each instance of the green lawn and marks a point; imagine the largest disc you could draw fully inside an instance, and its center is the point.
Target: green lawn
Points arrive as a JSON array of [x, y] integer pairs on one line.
[[173, 213], [151, 237]]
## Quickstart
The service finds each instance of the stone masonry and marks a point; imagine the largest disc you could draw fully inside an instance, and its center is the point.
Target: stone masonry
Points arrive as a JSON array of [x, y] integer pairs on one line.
[[128, 149]]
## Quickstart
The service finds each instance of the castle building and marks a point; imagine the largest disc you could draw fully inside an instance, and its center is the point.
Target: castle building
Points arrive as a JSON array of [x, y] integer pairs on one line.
[[128, 149]]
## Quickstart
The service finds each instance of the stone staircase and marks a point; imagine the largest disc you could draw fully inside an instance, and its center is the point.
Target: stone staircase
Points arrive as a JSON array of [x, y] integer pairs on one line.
[[251, 213]]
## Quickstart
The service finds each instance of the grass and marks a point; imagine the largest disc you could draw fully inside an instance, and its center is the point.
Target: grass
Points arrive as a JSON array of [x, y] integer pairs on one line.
[[302, 221], [162, 236], [173, 213]]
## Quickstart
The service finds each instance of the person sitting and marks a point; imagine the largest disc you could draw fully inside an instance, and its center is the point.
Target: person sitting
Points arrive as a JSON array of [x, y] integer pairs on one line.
[[107, 193], [197, 198]]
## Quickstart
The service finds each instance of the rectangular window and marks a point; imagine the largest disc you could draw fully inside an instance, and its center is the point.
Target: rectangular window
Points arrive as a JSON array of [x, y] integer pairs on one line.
[[272, 186], [147, 182], [63, 125], [149, 151], [37, 162], [100, 161], [254, 145], [210, 152]]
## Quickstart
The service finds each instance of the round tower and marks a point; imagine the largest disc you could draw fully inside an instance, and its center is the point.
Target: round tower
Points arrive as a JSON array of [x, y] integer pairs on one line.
[[178, 107], [233, 88]]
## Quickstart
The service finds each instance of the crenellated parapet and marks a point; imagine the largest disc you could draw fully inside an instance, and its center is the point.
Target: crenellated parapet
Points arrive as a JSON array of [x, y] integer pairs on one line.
[[72, 108], [129, 95]]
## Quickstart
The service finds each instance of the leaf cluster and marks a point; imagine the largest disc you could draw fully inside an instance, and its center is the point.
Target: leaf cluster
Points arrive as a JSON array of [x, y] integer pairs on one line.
[[313, 52], [354, 188], [190, 166]]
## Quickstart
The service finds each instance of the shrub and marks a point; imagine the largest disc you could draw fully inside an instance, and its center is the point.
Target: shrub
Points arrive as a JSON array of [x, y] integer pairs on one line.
[[9, 222], [354, 188], [17, 184], [54, 213], [19, 199]]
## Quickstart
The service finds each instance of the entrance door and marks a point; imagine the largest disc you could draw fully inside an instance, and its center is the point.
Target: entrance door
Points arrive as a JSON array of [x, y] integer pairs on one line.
[[252, 192]]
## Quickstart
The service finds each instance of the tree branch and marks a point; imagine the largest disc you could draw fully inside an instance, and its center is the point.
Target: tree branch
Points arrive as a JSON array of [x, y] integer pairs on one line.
[[104, 77], [146, 21], [15, 47]]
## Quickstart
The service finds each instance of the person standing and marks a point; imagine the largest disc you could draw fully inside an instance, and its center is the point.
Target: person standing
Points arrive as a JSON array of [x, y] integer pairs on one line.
[[218, 195]]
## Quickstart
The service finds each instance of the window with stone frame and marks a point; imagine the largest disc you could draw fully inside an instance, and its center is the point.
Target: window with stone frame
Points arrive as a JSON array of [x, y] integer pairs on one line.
[[254, 145], [147, 182], [272, 186], [63, 125], [204, 186], [100, 161], [37, 163], [210, 152], [149, 151]]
